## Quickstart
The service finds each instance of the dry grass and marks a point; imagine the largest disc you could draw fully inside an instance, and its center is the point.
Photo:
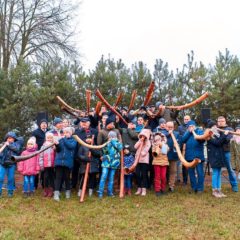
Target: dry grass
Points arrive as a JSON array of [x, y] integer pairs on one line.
[[175, 216]]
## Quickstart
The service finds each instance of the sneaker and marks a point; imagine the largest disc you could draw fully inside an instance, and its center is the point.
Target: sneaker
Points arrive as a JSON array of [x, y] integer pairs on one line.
[[90, 192], [221, 194], [56, 196], [138, 192], [79, 192], [171, 189], [144, 192], [216, 194], [68, 194]]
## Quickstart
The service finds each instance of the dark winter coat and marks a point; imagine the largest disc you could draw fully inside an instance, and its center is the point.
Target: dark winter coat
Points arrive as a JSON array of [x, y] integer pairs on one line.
[[215, 151], [194, 148], [13, 149], [65, 152], [39, 134], [129, 137], [226, 144], [83, 158]]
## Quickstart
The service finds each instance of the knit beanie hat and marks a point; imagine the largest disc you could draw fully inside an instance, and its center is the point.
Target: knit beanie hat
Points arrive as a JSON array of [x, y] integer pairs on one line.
[[161, 121], [43, 120], [32, 140], [110, 120], [191, 123], [210, 123], [56, 121], [112, 134]]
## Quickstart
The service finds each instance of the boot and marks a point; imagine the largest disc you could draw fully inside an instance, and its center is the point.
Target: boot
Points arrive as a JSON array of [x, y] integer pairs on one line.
[[56, 196], [129, 192], [144, 192], [45, 192], [50, 192], [79, 192], [68, 194], [138, 192], [90, 192]]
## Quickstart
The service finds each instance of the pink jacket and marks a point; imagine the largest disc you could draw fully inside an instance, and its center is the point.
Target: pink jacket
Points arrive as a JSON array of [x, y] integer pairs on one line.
[[30, 166], [46, 158], [142, 153]]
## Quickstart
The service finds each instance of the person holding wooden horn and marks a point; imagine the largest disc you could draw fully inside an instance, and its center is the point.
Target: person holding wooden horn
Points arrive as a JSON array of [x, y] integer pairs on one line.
[[194, 149], [221, 123]]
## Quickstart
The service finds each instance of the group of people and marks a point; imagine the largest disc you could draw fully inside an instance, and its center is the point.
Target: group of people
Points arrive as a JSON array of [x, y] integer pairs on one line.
[[149, 153]]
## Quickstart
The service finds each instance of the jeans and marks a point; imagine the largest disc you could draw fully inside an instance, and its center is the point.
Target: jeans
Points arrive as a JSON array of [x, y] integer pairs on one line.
[[28, 183], [128, 181], [10, 172], [216, 178], [107, 173], [197, 183], [231, 173]]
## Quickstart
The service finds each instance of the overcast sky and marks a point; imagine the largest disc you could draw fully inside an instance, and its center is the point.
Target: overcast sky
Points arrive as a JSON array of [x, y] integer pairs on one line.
[[145, 30]]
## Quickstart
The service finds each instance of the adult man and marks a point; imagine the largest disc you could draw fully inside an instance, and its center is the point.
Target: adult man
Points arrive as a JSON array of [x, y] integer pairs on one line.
[[182, 129], [172, 155], [194, 149], [221, 123]]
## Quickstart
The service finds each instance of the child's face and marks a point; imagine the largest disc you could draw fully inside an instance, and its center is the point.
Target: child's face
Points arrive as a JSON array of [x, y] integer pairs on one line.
[[10, 139], [67, 134], [126, 151], [30, 145], [49, 138]]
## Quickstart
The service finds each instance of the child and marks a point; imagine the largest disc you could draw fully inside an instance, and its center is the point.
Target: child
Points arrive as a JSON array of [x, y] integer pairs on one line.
[[83, 157], [46, 162], [65, 149], [142, 154], [110, 163], [128, 162], [160, 163], [29, 168], [10, 148]]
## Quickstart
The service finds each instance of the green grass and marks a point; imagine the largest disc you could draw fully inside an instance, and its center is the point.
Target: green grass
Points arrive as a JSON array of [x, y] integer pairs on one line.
[[179, 215]]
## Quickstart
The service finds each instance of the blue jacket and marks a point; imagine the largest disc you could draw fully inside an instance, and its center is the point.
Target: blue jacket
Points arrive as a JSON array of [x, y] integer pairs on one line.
[[172, 153], [111, 157], [12, 149], [194, 148], [65, 152]]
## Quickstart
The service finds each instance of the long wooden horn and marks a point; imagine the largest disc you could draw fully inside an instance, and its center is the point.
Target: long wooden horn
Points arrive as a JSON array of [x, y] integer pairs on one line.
[[104, 101], [26, 157], [229, 132], [81, 142], [149, 94], [88, 99], [65, 107], [191, 104], [181, 158], [119, 98], [206, 136], [98, 108], [133, 97]]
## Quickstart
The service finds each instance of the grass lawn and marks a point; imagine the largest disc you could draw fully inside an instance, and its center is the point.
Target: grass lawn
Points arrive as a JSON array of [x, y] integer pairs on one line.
[[178, 215]]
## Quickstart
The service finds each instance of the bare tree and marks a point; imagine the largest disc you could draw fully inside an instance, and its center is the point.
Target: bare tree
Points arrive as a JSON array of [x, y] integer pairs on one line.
[[36, 30]]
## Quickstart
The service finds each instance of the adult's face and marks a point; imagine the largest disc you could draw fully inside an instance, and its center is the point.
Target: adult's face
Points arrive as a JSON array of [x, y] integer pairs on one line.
[[85, 125], [186, 119], [169, 126], [43, 126], [221, 122]]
